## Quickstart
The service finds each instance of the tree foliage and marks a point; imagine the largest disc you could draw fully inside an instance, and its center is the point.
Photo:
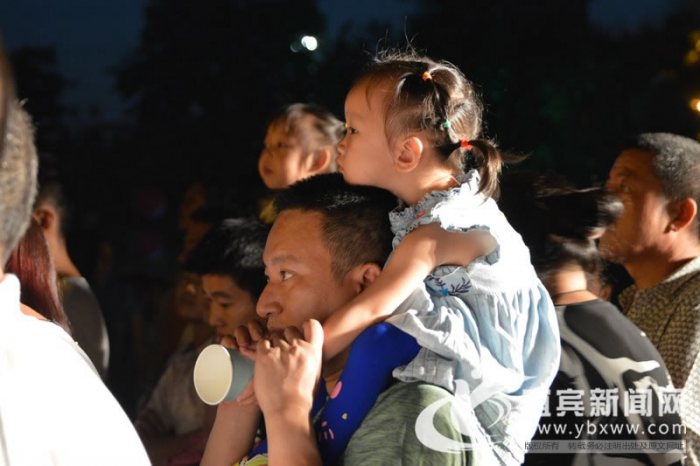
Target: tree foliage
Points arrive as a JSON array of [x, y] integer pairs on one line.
[[207, 75]]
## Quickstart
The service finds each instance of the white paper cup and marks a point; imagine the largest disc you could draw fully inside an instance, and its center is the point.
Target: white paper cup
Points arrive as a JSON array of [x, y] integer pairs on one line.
[[220, 374]]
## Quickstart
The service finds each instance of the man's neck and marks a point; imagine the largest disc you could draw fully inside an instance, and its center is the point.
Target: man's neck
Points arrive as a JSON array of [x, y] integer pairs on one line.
[[650, 271]]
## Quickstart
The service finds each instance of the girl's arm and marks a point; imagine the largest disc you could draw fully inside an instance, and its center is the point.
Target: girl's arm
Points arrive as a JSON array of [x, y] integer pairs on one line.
[[421, 251], [232, 435]]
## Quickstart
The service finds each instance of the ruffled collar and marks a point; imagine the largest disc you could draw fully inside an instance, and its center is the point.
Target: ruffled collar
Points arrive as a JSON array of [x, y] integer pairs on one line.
[[402, 217]]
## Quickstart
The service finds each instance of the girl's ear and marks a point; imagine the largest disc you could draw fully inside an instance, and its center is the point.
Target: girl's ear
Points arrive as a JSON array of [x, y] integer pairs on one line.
[[408, 154], [318, 161]]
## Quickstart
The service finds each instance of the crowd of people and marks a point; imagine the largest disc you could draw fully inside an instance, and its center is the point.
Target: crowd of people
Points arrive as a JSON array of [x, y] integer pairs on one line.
[[402, 303]]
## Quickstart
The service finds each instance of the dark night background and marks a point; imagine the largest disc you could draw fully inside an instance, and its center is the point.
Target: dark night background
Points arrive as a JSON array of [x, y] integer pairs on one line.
[[136, 99]]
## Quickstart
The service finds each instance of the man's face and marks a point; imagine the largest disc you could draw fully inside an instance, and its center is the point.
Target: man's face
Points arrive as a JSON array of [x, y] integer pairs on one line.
[[190, 302], [639, 232], [300, 284], [229, 305]]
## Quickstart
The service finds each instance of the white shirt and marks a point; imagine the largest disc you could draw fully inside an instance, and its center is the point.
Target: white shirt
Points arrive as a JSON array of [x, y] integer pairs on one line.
[[54, 408]]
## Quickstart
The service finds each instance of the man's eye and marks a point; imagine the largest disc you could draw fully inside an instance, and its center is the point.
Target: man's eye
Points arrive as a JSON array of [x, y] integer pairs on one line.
[[618, 189], [285, 275], [349, 129], [614, 188]]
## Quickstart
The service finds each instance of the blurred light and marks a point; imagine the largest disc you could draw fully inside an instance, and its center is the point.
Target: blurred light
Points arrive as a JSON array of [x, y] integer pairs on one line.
[[691, 58], [310, 43], [695, 37], [695, 105]]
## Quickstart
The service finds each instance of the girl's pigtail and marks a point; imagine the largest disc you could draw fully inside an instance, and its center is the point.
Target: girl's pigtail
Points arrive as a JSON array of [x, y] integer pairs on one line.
[[482, 155], [489, 161]]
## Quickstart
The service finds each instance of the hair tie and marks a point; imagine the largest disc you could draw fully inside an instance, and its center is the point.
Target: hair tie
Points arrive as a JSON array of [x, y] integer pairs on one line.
[[464, 144], [427, 76], [446, 124]]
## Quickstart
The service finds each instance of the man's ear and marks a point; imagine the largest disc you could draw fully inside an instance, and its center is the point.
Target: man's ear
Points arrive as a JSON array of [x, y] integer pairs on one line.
[[318, 161], [364, 274], [45, 216], [683, 212], [408, 154]]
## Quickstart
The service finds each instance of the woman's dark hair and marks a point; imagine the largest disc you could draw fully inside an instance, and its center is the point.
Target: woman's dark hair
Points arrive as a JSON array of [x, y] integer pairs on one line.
[[558, 223], [435, 98], [31, 262]]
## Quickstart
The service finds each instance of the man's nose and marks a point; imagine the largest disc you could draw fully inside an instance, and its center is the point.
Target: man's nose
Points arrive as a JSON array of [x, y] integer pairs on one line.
[[213, 316], [268, 304]]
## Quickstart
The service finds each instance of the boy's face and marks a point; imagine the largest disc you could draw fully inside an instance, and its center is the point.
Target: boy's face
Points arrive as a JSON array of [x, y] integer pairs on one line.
[[283, 160], [229, 305]]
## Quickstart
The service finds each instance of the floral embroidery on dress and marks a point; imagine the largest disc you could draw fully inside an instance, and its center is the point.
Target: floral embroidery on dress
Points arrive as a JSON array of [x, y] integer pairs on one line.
[[448, 280]]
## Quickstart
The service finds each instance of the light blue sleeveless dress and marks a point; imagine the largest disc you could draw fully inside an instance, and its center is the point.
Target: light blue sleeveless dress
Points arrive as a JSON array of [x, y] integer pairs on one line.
[[488, 331]]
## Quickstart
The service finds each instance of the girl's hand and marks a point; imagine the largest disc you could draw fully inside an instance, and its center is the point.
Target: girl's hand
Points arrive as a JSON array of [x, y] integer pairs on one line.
[[287, 369], [247, 396]]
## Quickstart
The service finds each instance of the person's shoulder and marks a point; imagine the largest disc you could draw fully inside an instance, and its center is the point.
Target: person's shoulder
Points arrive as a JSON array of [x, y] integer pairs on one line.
[[416, 394], [409, 424], [76, 291]]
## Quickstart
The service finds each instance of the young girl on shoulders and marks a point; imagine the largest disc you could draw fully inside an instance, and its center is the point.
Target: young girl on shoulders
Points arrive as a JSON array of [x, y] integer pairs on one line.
[[485, 325]]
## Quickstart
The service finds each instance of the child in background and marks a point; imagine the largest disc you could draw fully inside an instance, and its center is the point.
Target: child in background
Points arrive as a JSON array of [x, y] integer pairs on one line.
[[300, 142], [487, 329]]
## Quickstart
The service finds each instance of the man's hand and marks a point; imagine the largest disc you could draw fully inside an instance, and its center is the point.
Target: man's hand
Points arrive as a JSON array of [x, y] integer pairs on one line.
[[287, 369], [245, 340]]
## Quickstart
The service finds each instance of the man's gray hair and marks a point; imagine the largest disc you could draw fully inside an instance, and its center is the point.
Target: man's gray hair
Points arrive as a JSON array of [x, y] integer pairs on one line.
[[18, 171], [676, 161]]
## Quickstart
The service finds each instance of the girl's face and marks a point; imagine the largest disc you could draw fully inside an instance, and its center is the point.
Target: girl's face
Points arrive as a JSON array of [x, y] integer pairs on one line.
[[364, 154], [283, 160]]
